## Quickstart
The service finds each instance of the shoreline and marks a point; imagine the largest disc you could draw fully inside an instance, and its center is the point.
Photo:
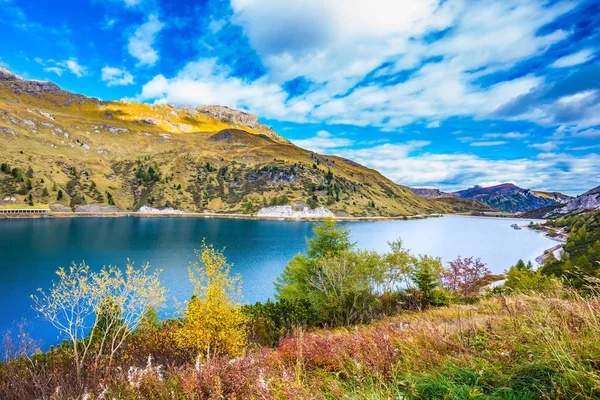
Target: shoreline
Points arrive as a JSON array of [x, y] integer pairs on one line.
[[559, 236], [53, 214]]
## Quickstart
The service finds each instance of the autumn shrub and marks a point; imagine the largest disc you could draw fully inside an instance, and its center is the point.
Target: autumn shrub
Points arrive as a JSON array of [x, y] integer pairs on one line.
[[213, 322]]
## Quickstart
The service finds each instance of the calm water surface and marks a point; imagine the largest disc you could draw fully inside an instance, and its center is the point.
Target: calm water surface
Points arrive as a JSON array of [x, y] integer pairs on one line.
[[32, 249]]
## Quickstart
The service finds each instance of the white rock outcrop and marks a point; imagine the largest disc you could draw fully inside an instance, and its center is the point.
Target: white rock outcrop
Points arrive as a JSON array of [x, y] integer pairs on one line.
[[289, 211], [588, 201], [152, 210]]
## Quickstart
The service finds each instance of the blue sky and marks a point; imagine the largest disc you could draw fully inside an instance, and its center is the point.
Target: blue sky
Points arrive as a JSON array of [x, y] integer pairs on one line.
[[432, 93]]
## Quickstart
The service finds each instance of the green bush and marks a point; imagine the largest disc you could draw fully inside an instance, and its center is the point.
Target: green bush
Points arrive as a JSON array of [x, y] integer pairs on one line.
[[270, 321]]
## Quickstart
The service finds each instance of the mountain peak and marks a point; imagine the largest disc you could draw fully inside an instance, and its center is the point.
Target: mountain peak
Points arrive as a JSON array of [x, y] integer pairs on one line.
[[6, 75]]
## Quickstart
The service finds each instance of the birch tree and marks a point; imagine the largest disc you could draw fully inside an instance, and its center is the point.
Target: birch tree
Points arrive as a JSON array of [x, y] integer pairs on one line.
[[97, 311]]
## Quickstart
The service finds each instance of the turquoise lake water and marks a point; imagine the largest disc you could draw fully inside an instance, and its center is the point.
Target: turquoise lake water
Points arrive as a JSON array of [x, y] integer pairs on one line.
[[32, 249]]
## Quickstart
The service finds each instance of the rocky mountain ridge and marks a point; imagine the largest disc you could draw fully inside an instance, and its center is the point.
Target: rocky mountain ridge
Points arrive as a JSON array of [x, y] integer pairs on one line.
[[586, 202], [505, 197]]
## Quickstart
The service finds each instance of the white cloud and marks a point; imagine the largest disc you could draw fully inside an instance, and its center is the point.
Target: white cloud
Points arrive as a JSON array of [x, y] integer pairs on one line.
[[108, 23], [507, 135], [59, 67], [142, 41], [56, 70], [434, 124], [336, 43], [206, 82], [73, 65], [488, 143], [588, 133], [546, 146], [548, 171], [116, 77], [322, 142], [574, 59]]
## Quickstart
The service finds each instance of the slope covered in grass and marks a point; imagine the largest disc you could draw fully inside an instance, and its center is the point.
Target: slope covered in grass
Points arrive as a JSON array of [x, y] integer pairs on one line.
[[204, 159]]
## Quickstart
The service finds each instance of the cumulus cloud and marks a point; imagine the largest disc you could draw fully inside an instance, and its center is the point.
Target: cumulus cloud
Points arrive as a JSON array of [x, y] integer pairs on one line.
[[207, 82], [547, 171], [339, 44], [116, 76], [142, 41], [323, 142], [573, 59]]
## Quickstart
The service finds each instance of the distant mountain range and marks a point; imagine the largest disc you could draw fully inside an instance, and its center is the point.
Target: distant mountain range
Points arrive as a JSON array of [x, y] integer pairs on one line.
[[505, 197]]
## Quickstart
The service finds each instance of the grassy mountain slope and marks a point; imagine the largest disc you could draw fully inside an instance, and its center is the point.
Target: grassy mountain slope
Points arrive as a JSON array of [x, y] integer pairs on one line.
[[196, 159]]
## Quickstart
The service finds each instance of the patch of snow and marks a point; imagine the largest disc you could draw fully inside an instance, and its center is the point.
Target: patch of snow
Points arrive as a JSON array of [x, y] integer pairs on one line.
[[289, 211]]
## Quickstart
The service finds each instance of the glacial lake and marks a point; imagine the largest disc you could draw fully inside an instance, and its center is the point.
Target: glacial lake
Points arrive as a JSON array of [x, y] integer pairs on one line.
[[31, 250]]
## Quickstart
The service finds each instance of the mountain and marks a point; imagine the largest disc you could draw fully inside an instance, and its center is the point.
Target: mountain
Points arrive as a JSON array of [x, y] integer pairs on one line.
[[456, 204], [589, 201], [71, 150], [511, 198]]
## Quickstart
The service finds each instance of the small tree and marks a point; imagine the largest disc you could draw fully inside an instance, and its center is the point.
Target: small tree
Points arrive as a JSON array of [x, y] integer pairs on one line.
[[98, 311], [213, 321], [59, 195], [463, 274], [426, 276], [249, 207]]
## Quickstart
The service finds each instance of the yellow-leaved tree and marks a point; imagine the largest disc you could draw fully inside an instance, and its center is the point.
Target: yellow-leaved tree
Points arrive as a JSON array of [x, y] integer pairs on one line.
[[213, 321]]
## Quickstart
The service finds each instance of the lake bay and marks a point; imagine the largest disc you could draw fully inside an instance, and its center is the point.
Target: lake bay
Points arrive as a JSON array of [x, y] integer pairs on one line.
[[31, 250]]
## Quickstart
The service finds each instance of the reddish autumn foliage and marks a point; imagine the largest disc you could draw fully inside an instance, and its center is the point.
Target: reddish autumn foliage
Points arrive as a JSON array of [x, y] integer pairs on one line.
[[462, 275]]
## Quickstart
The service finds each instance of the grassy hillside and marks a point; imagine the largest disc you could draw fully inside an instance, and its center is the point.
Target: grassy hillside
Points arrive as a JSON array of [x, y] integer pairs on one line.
[[195, 159]]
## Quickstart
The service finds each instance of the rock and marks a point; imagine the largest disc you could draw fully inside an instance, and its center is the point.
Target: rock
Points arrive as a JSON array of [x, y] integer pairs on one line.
[[114, 129], [588, 201], [230, 116], [95, 208], [6, 75], [9, 199], [288, 211], [152, 210], [149, 121], [9, 131], [60, 208]]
